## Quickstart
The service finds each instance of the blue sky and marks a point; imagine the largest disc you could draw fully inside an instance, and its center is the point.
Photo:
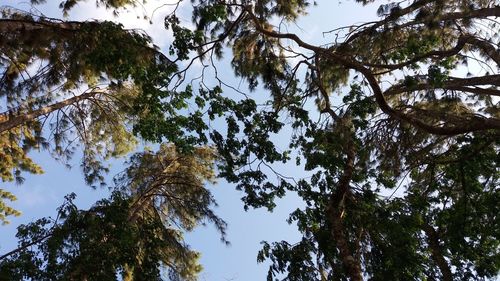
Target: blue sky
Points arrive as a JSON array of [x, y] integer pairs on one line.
[[41, 194]]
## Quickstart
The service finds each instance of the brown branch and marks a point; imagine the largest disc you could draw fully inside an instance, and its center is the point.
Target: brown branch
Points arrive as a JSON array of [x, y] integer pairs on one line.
[[452, 82], [479, 13], [413, 7], [462, 40], [475, 124], [23, 25], [10, 120], [436, 252], [486, 47], [476, 90], [328, 107]]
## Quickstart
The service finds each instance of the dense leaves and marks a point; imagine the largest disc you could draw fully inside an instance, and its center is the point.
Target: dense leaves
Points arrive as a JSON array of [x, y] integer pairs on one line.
[[136, 234]]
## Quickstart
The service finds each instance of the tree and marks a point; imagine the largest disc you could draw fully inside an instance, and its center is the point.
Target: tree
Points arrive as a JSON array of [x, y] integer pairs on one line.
[[135, 234], [59, 94], [418, 111], [431, 122]]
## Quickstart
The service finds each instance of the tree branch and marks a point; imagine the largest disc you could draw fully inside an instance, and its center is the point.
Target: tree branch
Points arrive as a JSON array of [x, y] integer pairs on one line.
[[436, 253], [10, 120], [474, 124]]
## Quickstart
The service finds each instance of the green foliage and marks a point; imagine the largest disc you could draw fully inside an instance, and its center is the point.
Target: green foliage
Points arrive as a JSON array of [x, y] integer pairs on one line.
[[99, 243], [135, 234], [5, 210], [14, 144], [71, 66]]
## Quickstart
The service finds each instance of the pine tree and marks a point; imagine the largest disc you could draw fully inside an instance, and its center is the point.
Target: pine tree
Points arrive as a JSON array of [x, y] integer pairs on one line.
[[135, 234]]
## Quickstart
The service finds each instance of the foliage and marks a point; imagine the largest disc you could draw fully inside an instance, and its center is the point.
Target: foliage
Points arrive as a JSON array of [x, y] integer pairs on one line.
[[409, 122], [5, 210], [136, 233]]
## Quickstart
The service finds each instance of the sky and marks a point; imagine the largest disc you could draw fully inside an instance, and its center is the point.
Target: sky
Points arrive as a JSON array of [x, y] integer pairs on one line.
[[40, 195]]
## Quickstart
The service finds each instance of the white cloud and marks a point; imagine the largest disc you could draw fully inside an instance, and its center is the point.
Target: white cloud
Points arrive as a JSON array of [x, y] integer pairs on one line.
[[131, 18]]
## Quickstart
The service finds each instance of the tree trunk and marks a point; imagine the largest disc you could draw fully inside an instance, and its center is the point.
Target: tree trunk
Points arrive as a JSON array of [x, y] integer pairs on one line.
[[335, 210], [351, 265]]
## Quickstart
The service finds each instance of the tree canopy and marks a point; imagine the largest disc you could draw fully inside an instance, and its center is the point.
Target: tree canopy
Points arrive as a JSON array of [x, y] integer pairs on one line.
[[397, 122]]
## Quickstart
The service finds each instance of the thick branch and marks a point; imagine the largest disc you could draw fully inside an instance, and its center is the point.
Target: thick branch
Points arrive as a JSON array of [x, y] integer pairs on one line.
[[476, 90], [11, 120], [23, 25], [452, 82], [487, 48], [436, 253], [479, 13], [413, 7], [474, 123]]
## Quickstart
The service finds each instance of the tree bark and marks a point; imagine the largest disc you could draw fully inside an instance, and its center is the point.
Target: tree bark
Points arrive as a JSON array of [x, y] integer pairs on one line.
[[349, 262]]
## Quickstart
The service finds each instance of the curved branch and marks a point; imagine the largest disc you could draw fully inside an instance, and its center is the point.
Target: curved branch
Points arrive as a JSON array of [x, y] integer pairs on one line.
[[13, 25], [413, 7], [486, 47], [475, 123], [433, 54], [479, 13], [476, 90]]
